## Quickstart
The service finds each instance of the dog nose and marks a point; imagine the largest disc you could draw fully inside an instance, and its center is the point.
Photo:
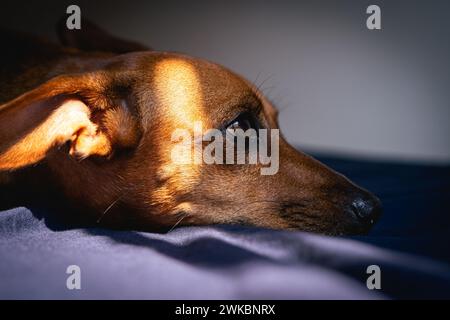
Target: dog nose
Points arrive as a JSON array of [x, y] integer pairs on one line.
[[367, 208]]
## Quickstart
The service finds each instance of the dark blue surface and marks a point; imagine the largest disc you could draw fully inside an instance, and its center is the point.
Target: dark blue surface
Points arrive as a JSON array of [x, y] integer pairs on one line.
[[410, 244], [416, 202]]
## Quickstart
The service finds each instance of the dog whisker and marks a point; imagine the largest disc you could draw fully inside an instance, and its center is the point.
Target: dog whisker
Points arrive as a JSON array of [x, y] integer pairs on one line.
[[179, 221], [256, 79], [108, 208], [263, 82]]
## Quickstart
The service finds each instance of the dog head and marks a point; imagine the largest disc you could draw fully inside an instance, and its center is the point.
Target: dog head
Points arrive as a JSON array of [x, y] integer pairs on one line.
[[118, 114]]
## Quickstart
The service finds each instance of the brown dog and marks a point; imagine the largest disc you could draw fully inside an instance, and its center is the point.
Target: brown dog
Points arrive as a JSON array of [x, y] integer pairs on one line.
[[115, 105]]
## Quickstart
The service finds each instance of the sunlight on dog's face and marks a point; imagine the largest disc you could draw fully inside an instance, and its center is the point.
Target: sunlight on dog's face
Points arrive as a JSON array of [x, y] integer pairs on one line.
[[115, 162], [302, 195]]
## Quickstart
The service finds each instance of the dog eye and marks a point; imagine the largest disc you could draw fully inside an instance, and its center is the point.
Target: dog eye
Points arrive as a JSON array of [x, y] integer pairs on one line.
[[244, 121]]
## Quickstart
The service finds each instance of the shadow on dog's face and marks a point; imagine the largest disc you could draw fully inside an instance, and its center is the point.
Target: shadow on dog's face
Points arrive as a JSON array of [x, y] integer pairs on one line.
[[145, 188], [137, 101]]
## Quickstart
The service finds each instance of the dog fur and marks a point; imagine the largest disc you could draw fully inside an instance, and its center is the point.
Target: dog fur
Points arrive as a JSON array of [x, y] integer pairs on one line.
[[92, 119]]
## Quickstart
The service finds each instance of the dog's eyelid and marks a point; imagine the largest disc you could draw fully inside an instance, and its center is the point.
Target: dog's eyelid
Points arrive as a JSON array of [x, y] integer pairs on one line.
[[248, 116]]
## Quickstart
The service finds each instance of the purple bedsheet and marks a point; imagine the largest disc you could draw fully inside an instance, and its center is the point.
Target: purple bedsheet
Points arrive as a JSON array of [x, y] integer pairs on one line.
[[242, 263]]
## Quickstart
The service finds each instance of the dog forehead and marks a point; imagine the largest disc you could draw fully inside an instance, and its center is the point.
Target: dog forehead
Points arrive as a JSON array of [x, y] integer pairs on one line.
[[190, 89], [213, 80]]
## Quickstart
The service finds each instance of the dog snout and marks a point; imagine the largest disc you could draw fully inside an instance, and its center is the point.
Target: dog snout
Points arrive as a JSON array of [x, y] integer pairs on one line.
[[366, 208]]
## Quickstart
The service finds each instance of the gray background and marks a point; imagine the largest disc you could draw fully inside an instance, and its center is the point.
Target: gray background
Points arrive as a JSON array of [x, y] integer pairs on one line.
[[341, 87]]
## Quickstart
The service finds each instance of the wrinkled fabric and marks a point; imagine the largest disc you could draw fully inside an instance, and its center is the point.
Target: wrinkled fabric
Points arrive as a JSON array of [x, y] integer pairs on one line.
[[410, 244]]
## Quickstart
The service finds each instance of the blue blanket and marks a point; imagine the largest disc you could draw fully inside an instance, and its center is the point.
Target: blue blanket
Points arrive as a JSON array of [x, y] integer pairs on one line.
[[410, 244]]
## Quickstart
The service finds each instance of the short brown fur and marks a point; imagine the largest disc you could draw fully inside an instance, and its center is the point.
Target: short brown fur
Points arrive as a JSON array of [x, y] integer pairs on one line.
[[116, 111]]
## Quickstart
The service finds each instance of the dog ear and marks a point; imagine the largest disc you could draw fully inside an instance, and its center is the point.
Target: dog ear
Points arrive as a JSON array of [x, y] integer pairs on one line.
[[66, 109], [93, 38]]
